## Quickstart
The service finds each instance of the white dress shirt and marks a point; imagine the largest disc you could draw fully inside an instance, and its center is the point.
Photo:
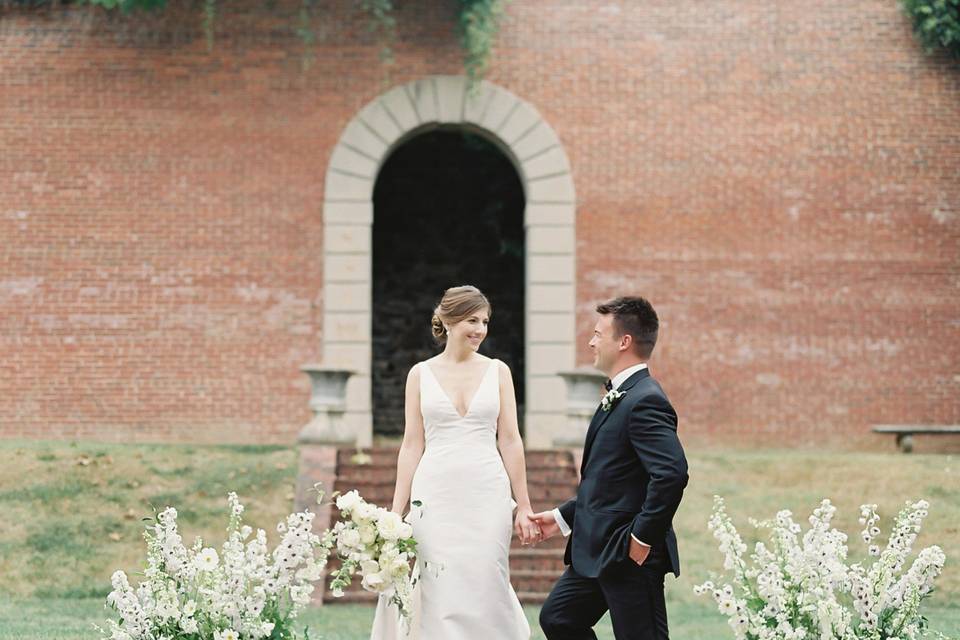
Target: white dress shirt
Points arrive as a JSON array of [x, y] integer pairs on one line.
[[615, 382]]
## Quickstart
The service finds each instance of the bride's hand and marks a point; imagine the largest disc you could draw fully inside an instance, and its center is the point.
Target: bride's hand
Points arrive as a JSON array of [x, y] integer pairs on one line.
[[525, 527]]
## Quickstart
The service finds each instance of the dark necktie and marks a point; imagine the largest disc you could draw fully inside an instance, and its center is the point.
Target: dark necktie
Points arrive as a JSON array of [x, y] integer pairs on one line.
[[608, 385]]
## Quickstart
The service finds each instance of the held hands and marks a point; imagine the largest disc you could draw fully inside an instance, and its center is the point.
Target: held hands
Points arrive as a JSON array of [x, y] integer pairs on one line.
[[547, 523], [525, 527]]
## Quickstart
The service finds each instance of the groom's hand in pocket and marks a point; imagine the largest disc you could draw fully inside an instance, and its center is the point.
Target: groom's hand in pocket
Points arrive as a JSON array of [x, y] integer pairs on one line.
[[548, 524], [638, 551]]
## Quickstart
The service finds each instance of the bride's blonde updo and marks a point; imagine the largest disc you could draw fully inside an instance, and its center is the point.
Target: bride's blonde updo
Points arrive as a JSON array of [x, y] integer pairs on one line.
[[457, 304]]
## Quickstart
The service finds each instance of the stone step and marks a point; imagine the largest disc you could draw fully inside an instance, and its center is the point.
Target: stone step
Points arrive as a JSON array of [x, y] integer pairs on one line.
[[554, 543], [549, 458], [542, 495], [541, 557], [388, 474]]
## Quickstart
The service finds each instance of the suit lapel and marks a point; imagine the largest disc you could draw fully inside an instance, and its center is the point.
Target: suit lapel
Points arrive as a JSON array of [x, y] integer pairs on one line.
[[591, 434], [601, 416]]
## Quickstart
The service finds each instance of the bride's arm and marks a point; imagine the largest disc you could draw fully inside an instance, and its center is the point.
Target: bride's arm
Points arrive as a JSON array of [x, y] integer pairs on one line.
[[510, 445], [412, 447]]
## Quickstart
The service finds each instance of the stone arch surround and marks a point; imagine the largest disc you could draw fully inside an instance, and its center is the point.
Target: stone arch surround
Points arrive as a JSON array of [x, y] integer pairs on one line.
[[549, 222]]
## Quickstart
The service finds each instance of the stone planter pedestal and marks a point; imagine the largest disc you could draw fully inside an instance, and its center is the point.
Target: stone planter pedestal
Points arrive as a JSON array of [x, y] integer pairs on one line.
[[584, 390], [319, 441]]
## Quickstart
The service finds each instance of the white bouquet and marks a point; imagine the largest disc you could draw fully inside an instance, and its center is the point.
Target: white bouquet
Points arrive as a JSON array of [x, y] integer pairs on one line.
[[244, 591], [802, 587], [379, 545]]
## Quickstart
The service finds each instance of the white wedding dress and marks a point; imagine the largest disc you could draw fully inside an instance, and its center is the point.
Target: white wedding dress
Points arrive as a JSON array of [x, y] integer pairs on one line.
[[464, 527]]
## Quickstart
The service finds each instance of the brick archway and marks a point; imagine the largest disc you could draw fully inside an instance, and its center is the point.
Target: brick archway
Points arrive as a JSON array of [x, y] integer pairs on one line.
[[549, 217]]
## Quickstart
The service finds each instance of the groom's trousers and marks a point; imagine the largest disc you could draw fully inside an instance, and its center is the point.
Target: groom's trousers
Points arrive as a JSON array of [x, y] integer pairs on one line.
[[633, 594]]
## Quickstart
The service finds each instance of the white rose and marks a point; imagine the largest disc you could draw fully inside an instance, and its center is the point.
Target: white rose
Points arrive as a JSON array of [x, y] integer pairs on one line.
[[364, 512], [348, 501], [368, 533], [390, 525], [373, 582], [394, 564], [348, 539], [369, 566]]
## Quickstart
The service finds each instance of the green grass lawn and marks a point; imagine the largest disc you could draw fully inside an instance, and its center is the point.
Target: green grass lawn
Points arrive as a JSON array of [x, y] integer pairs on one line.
[[70, 515]]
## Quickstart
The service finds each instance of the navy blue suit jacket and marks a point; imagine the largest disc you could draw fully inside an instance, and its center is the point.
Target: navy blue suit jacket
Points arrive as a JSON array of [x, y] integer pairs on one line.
[[633, 475]]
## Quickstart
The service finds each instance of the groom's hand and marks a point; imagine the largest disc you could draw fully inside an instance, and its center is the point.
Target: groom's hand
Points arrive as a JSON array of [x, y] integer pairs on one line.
[[525, 527], [548, 524], [638, 552]]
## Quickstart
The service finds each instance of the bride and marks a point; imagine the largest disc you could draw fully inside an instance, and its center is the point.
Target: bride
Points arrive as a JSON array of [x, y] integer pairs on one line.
[[460, 457]]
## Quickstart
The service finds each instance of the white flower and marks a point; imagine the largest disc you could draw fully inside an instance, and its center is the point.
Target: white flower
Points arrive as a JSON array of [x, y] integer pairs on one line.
[[348, 539], [390, 525], [373, 582], [167, 610], [227, 634], [610, 399], [189, 625], [189, 608], [727, 606], [348, 501], [207, 560], [368, 533], [364, 512]]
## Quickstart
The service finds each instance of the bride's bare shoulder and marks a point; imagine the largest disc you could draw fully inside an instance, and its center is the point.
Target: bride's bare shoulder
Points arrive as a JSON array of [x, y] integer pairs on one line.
[[503, 369], [414, 373]]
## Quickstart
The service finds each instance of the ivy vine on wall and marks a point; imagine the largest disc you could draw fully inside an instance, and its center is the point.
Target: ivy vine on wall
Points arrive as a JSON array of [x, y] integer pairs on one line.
[[478, 22], [936, 23]]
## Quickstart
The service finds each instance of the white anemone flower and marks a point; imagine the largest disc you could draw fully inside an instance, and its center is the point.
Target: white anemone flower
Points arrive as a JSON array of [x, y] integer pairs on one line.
[[208, 560]]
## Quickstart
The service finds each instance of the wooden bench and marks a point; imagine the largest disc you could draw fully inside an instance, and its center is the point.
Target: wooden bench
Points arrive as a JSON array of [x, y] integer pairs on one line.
[[905, 432]]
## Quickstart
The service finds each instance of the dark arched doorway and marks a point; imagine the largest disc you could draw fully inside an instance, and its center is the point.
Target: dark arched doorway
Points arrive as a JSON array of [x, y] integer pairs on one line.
[[448, 210]]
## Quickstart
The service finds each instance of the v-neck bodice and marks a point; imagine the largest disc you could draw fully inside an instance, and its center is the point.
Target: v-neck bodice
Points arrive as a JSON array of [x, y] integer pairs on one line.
[[441, 420]]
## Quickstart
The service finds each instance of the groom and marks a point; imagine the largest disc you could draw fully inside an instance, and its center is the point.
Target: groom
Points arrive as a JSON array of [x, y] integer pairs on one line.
[[621, 542]]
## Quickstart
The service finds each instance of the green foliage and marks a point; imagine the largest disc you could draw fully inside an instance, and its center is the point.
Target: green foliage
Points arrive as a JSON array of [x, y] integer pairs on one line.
[[128, 6], [382, 23], [209, 15], [936, 23], [479, 23]]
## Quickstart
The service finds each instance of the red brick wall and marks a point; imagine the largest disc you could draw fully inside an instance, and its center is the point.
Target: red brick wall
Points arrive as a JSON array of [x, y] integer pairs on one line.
[[781, 181]]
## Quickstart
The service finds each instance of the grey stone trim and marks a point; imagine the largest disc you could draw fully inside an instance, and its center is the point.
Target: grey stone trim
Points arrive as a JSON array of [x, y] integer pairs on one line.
[[550, 219]]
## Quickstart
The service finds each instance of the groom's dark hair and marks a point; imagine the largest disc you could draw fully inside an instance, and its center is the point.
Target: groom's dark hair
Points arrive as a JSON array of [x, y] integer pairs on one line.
[[635, 316]]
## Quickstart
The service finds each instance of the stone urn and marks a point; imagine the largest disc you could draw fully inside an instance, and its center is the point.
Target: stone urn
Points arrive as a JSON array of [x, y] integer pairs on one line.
[[328, 401], [584, 390]]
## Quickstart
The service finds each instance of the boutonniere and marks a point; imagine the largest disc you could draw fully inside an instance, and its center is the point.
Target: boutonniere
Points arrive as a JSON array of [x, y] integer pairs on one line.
[[613, 397]]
